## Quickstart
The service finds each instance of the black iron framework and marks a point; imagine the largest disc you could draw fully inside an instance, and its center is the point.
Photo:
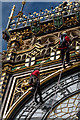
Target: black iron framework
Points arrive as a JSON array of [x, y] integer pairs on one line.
[[67, 88]]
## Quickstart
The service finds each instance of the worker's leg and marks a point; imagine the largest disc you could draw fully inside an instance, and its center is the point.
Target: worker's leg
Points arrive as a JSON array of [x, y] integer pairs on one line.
[[35, 95], [40, 94], [67, 56], [62, 56]]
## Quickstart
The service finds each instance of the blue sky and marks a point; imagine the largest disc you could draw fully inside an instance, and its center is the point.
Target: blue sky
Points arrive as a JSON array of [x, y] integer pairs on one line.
[[29, 7]]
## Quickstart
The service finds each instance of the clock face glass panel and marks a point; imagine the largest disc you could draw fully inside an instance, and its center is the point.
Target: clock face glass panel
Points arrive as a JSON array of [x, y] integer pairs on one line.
[[66, 110]]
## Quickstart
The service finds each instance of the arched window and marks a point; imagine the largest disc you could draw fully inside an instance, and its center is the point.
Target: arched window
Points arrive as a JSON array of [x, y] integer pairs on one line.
[[23, 57], [18, 58], [43, 52]]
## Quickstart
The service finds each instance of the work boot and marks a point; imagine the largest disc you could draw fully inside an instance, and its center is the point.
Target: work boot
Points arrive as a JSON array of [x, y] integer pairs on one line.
[[41, 102], [64, 66], [37, 102], [69, 63]]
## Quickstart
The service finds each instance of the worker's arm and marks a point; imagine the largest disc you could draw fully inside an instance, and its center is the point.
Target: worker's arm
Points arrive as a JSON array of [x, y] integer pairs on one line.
[[39, 76], [68, 40]]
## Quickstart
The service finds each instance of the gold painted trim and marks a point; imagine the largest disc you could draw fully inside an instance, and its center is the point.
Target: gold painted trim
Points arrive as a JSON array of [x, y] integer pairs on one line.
[[49, 34], [43, 65]]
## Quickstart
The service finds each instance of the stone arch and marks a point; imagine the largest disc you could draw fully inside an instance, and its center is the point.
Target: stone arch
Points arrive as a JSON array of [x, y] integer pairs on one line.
[[49, 39], [23, 57], [48, 50], [43, 52], [75, 33], [18, 58]]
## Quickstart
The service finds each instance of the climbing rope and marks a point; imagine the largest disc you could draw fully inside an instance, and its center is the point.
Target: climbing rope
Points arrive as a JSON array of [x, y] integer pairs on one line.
[[60, 75], [58, 83]]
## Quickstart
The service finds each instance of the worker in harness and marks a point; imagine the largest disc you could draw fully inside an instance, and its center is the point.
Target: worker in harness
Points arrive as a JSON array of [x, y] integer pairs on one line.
[[35, 83], [64, 45]]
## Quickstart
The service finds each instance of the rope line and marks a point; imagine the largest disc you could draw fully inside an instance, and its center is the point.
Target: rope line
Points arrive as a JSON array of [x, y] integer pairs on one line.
[[58, 81]]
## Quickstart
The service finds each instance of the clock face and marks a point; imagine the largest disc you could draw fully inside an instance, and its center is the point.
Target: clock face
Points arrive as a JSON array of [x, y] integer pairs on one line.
[[61, 101], [68, 109]]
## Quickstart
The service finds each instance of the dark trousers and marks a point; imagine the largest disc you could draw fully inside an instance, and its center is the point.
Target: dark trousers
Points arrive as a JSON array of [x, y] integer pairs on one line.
[[37, 91], [63, 51]]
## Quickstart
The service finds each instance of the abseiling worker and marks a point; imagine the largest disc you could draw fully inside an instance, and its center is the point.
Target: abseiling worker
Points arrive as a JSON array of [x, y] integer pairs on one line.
[[64, 45], [35, 83]]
